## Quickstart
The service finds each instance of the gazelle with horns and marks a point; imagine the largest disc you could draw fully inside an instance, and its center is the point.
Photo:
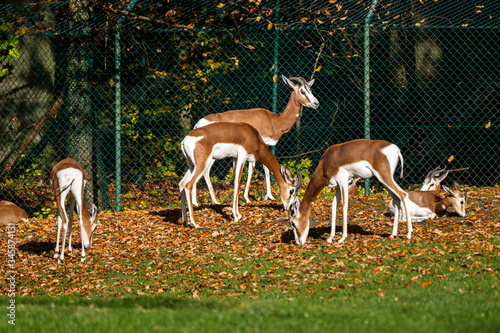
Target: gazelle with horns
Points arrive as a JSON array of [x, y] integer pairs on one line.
[[429, 204], [243, 143], [68, 178], [270, 126], [358, 158]]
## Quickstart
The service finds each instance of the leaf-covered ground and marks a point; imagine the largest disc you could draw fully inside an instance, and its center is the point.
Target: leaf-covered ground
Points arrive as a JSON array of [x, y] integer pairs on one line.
[[148, 251]]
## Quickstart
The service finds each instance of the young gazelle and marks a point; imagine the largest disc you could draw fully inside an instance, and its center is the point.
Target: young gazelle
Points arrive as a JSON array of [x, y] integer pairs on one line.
[[358, 158], [10, 213], [68, 178], [429, 204], [240, 141], [270, 126]]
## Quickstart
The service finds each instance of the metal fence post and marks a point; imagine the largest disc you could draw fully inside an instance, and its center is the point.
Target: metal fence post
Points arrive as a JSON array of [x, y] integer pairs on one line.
[[118, 120], [366, 68]]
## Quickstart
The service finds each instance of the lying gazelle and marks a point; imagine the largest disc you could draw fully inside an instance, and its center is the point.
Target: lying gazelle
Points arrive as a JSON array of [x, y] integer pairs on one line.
[[432, 181], [68, 178], [240, 141], [269, 125], [429, 204], [358, 158], [10, 213]]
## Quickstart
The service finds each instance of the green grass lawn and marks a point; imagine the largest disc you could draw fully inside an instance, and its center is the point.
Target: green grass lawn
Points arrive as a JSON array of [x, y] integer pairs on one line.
[[147, 272]]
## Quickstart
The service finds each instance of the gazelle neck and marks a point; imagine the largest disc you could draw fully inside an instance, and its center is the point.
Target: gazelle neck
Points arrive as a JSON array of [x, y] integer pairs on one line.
[[289, 116], [267, 158], [316, 184], [442, 205]]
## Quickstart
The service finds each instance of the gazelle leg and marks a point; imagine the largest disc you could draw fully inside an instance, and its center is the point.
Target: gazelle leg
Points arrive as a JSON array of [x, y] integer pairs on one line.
[[269, 194], [80, 223], [70, 221], [187, 188], [345, 203], [206, 175], [251, 165], [59, 225], [397, 212], [405, 203], [65, 230], [182, 190], [238, 169], [335, 201]]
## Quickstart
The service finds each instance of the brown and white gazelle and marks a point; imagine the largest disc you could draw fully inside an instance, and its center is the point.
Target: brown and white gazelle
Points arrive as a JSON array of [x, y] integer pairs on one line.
[[358, 158], [270, 126], [429, 204], [68, 178], [240, 141], [10, 213]]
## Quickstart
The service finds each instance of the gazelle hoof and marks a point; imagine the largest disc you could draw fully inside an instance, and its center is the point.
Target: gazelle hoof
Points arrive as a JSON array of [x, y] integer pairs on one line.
[[329, 240], [268, 197]]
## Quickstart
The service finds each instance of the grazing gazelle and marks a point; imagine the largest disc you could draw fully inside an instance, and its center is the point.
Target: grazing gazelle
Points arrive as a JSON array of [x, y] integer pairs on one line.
[[358, 158], [429, 204], [270, 126], [432, 181], [68, 178], [11, 213], [240, 141]]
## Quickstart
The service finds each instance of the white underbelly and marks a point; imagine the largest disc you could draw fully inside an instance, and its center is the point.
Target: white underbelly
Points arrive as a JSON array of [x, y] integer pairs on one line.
[[224, 150]]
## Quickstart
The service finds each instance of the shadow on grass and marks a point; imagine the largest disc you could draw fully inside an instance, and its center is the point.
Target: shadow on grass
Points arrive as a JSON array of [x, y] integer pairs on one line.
[[36, 247], [319, 232], [174, 215], [145, 302]]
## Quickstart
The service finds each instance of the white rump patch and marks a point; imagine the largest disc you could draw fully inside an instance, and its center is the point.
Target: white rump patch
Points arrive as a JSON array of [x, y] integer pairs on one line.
[[202, 123]]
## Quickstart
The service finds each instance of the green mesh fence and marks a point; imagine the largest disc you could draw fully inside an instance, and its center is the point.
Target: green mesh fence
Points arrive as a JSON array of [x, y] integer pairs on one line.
[[117, 85]]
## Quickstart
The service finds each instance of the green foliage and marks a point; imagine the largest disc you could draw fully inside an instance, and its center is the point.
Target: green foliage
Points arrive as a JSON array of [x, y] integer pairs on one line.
[[304, 167], [9, 39]]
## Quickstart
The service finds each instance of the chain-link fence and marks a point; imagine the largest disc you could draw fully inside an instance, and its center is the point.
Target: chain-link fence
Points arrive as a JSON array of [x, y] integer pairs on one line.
[[117, 85]]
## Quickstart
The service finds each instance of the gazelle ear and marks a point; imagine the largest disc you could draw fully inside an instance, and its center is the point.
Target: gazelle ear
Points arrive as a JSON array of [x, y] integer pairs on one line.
[[310, 83], [448, 190], [286, 173], [288, 82], [94, 213]]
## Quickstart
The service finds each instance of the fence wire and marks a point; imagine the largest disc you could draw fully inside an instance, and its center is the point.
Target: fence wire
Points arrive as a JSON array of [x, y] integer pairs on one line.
[[118, 85]]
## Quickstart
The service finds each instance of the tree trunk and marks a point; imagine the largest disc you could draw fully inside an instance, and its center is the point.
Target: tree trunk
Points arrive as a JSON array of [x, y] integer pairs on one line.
[[78, 88]]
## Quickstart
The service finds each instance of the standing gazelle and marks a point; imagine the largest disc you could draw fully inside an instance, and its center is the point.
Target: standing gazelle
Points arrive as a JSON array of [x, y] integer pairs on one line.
[[240, 141], [270, 126], [358, 158], [68, 178]]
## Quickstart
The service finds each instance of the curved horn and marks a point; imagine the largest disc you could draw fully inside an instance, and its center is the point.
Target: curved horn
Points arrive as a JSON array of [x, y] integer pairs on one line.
[[300, 79], [433, 173]]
